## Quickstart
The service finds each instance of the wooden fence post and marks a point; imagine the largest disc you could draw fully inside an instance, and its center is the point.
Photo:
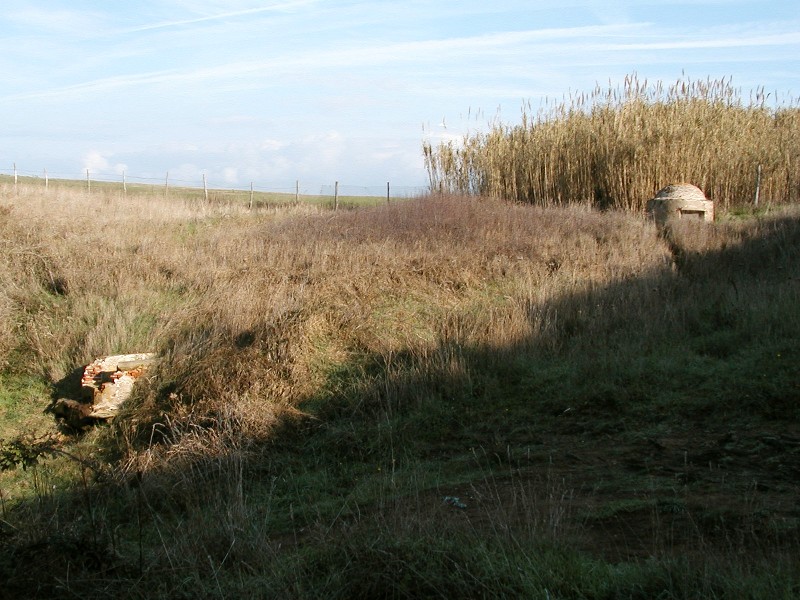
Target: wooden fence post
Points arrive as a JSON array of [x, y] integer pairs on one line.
[[166, 185], [297, 191], [124, 185], [45, 180], [336, 196], [15, 178], [387, 192], [88, 182], [251, 196], [205, 187]]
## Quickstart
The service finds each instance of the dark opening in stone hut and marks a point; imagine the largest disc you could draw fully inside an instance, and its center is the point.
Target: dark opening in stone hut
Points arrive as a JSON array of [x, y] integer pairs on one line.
[[680, 201]]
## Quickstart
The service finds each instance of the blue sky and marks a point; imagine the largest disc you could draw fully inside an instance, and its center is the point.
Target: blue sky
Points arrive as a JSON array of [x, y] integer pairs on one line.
[[322, 90]]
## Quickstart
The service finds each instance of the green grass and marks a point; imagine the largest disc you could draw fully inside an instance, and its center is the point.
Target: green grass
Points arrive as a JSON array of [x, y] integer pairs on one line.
[[22, 398]]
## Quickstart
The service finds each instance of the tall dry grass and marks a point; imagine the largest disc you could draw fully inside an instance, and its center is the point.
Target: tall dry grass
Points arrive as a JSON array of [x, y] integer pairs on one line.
[[252, 310], [616, 148]]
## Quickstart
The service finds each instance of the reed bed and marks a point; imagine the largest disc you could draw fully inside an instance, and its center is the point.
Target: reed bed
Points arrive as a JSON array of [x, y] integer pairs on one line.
[[616, 148]]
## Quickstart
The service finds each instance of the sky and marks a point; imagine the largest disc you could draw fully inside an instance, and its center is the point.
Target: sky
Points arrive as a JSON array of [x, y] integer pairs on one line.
[[317, 91]]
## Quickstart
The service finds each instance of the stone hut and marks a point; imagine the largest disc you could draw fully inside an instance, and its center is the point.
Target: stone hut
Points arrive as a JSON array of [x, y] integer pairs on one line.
[[680, 201]]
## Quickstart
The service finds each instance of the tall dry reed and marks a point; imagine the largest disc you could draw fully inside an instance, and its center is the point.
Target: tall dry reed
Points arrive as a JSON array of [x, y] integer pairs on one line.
[[616, 148]]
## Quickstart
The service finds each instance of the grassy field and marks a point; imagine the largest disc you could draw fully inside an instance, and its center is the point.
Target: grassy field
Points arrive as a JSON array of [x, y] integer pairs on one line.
[[445, 397], [216, 197]]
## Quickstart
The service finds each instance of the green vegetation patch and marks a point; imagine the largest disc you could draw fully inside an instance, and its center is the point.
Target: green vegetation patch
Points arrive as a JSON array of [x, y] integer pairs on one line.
[[23, 400]]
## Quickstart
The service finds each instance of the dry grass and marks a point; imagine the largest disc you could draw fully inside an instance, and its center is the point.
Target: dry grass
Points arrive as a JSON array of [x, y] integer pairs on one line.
[[616, 148], [325, 377], [252, 312]]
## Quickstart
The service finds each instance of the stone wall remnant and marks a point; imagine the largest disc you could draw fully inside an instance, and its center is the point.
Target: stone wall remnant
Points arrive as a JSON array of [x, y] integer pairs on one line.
[[106, 384]]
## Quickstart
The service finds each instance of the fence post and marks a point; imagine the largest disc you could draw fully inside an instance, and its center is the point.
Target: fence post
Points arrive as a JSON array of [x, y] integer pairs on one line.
[[387, 192], [336, 196], [88, 182], [15, 178], [297, 191], [205, 187], [45, 180], [251, 196], [166, 185], [758, 185], [124, 185]]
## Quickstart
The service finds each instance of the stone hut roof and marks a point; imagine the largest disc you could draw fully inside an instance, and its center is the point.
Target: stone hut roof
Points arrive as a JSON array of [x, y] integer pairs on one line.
[[680, 191]]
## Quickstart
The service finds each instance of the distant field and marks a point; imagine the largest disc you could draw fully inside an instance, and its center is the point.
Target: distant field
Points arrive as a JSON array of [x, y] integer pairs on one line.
[[453, 397], [215, 195]]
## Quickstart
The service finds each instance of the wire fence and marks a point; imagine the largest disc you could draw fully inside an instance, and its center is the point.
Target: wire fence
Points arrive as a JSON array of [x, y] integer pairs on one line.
[[127, 182]]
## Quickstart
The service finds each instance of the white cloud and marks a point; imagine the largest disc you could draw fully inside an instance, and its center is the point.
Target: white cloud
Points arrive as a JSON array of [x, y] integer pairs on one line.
[[275, 90], [95, 162], [98, 164], [272, 145], [238, 121], [72, 23], [231, 175], [438, 59], [186, 173], [750, 41]]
